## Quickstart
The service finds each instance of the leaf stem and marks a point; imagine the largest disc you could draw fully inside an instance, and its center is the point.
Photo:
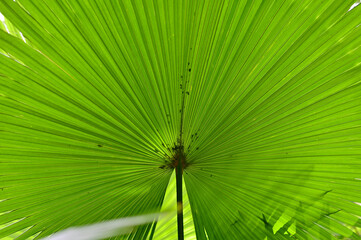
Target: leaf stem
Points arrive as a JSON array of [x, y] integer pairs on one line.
[[179, 171], [180, 162]]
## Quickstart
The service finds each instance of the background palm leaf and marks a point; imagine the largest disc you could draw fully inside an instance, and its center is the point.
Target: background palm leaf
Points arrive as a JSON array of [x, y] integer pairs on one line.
[[91, 106]]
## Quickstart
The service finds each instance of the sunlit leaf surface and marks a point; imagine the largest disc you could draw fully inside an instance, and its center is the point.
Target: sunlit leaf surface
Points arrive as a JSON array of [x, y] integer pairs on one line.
[[265, 95]]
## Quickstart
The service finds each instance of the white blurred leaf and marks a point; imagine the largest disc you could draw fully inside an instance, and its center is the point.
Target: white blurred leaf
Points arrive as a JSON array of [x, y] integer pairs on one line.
[[104, 229]]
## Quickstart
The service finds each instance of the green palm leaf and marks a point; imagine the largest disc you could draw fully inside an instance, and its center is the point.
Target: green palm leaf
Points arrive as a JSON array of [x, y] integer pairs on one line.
[[263, 98]]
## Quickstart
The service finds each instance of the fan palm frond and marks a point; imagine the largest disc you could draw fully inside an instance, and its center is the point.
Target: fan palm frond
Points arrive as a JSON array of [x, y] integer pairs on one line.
[[262, 99]]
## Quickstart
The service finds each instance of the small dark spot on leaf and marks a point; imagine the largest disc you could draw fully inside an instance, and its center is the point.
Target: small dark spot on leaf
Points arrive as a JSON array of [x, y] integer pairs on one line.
[[239, 213], [323, 194], [162, 167], [189, 70], [99, 145], [197, 148], [328, 214], [187, 93], [266, 223]]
